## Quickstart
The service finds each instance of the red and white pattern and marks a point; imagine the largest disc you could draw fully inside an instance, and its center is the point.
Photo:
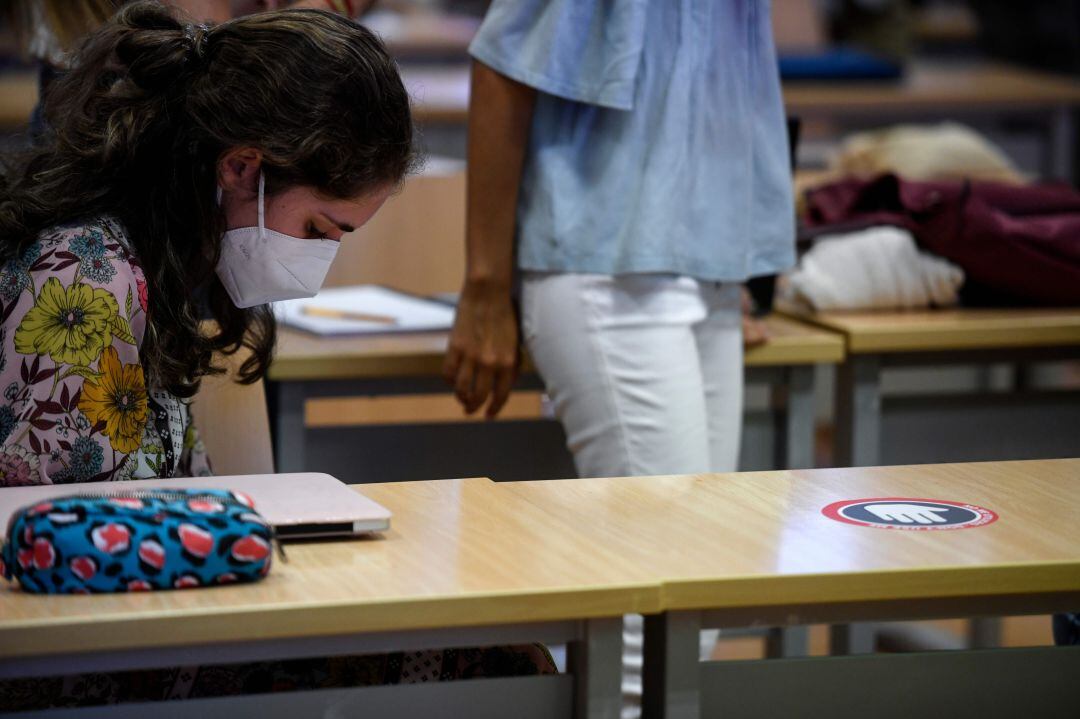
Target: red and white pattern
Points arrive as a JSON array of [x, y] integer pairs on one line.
[[44, 554], [251, 549], [83, 567], [111, 538], [196, 540], [151, 552]]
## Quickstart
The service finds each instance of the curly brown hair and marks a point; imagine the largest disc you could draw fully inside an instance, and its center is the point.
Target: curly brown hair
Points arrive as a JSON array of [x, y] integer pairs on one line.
[[138, 126]]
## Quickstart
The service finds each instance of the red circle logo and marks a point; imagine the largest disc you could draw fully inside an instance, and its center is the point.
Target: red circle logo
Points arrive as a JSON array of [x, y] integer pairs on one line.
[[907, 513]]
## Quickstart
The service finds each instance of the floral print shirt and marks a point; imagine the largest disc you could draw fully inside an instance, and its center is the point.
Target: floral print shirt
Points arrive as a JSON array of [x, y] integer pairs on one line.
[[75, 405]]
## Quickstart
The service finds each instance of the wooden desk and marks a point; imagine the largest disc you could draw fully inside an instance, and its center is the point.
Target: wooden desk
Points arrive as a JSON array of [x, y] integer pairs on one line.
[[937, 87], [755, 549], [307, 366], [423, 34], [934, 91], [440, 92], [461, 566], [18, 97], [877, 340]]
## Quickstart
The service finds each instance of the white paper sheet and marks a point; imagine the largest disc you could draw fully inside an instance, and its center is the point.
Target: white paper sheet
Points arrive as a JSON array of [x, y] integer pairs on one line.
[[413, 314]]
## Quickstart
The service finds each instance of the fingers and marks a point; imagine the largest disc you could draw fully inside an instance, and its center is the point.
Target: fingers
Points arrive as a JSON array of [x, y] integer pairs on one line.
[[504, 382], [483, 381], [754, 331], [452, 364], [463, 383], [481, 359]]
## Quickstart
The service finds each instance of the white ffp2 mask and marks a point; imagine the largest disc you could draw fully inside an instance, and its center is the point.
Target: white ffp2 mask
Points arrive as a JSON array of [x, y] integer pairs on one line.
[[258, 265]]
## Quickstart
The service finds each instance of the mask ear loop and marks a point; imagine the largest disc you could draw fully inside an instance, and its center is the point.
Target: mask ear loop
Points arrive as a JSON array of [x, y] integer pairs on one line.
[[262, 206]]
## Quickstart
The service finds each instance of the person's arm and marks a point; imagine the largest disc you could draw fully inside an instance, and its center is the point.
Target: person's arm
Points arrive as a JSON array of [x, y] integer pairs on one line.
[[482, 359], [75, 400]]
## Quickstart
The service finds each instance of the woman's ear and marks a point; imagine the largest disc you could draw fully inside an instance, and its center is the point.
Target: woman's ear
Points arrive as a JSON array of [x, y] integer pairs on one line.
[[238, 171]]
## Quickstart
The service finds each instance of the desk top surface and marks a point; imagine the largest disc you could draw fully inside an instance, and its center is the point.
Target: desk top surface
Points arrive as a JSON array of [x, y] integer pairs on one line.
[[755, 539], [457, 554], [954, 329], [463, 552], [304, 356], [931, 85]]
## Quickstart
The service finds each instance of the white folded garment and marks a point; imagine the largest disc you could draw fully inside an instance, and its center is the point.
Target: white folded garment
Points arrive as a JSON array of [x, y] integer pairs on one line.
[[875, 268]]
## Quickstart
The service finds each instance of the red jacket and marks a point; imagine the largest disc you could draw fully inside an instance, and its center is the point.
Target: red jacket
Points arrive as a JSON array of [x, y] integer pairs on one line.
[[1016, 243]]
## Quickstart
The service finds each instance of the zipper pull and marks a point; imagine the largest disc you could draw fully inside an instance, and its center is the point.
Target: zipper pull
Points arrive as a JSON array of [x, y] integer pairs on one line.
[[279, 548]]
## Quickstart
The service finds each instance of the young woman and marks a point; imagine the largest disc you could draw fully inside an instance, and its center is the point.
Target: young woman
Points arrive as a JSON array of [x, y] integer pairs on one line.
[[189, 173]]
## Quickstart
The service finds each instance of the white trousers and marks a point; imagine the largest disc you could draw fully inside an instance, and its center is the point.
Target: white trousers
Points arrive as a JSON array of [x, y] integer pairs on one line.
[[646, 375], [645, 371]]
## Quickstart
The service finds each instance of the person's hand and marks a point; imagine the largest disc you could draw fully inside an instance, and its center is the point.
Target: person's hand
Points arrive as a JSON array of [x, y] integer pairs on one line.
[[754, 330], [482, 360]]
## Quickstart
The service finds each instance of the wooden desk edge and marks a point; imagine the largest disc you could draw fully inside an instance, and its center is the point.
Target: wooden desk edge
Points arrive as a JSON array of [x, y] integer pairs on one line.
[[826, 346], [945, 339], [885, 585], [59, 635]]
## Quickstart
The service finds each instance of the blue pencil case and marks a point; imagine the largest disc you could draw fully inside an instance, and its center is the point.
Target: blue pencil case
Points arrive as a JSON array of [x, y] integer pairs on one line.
[[137, 541]]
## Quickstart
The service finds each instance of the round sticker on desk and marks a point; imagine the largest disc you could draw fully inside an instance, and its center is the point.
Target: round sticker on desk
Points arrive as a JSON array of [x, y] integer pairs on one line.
[[909, 513]]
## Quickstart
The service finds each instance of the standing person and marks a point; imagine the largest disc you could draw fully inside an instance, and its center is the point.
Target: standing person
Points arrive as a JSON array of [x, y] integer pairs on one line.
[[630, 159]]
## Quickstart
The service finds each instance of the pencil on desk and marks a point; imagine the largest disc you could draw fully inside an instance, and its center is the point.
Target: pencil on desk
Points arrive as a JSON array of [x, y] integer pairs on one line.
[[332, 314]]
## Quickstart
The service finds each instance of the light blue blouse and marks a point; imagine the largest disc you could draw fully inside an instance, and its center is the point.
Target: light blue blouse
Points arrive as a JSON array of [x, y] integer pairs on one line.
[[658, 142]]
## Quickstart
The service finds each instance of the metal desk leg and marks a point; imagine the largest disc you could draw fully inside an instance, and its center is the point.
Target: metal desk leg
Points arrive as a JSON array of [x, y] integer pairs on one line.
[[858, 412], [671, 675], [288, 426], [787, 642], [596, 662], [984, 633], [793, 409], [847, 639]]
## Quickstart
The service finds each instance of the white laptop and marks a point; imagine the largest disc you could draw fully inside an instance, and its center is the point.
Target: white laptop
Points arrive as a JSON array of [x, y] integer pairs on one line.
[[300, 505]]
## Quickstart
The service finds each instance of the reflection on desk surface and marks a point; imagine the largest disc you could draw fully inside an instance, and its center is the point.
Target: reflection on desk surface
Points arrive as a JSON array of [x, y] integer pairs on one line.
[[725, 539]]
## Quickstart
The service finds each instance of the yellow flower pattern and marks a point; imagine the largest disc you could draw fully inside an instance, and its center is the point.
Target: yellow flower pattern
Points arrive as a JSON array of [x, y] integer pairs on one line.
[[76, 406], [118, 400], [72, 325]]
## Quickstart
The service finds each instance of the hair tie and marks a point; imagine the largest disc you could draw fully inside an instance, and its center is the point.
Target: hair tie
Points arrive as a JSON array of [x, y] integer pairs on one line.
[[197, 35]]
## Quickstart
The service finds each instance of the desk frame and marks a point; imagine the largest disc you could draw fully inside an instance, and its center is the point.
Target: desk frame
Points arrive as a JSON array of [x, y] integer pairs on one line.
[[859, 398], [859, 407], [791, 405], [591, 689], [678, 686]]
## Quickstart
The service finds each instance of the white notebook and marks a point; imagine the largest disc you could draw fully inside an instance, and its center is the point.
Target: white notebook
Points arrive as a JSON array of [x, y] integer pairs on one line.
[[410, 313]]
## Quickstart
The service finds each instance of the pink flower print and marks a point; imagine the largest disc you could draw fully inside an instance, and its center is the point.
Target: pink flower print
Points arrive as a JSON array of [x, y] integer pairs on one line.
[[143, 298], [18, 467]]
